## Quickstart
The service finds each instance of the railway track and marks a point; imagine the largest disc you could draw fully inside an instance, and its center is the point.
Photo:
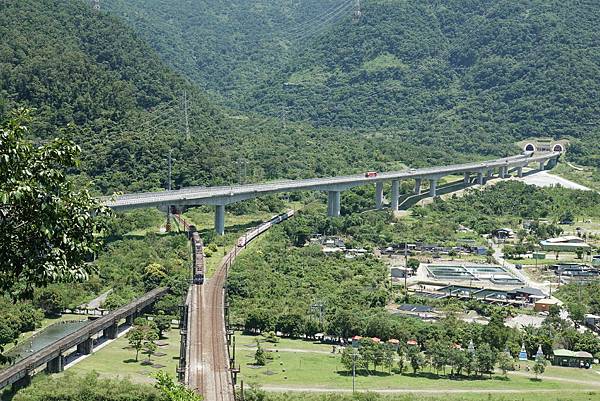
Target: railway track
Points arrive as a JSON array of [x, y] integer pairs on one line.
[[209, 373], [208, 366]]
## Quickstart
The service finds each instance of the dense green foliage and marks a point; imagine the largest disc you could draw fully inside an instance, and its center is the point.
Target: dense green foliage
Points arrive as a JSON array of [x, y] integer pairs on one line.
[[48, 226], [77, 66], [133, 266], [471, 76], [225, 46], [583, 297], [509, 203], [72, 387]]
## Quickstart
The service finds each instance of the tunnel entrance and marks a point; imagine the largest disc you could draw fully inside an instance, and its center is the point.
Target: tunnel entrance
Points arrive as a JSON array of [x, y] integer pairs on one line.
[[530, 147]]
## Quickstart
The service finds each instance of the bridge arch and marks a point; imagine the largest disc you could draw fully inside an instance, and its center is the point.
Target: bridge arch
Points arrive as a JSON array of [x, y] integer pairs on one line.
[[558, 148], [530, 147]]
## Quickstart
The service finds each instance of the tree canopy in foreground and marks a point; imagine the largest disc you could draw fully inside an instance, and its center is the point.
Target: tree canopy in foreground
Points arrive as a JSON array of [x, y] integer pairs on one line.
[[48, 226]]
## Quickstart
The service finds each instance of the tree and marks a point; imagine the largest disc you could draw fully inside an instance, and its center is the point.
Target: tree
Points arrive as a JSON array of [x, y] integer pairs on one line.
[[174, 391], [413, 264], [48, 226], [260, 359], [486, 359], [577, 311], [136, 336], [416, 359], [439, 355], [149, 344], [349, 357], [505, 362], [163, 323], [51, 301], [388, 358], [401, 358], [153, 275], [540, 366]]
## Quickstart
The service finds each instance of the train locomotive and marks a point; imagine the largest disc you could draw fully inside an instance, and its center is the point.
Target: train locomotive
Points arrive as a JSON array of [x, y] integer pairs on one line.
[[255, 232], [197, 256]]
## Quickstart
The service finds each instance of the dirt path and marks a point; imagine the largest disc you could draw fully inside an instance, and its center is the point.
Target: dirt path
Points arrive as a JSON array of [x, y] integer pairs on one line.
[[560, 379], [419, 390]]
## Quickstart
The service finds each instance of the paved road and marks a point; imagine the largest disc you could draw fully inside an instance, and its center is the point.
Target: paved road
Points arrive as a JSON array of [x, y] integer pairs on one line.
[[223, 195]]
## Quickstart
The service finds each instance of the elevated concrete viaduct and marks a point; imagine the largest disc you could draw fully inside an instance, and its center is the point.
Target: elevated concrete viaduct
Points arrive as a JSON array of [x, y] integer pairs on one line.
[[53, 356], [222, 196]]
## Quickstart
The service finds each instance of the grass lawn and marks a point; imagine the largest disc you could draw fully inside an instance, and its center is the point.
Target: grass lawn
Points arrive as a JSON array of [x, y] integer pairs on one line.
[[45, 323], [324, 370], [584, 175], [117, 359]]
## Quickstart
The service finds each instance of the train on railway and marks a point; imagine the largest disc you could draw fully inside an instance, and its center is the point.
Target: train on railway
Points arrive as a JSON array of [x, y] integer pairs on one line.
[[197, 256], [255, 232]]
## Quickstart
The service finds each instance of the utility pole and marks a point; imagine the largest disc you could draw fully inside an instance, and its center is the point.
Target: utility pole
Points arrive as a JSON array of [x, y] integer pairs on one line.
[[170, 168], [185, 112], [169, 185], [406, 271]]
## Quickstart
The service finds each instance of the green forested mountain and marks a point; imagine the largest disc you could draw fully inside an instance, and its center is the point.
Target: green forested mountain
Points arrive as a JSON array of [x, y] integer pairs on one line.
[[224, 45], [76, 66], [469, 75]]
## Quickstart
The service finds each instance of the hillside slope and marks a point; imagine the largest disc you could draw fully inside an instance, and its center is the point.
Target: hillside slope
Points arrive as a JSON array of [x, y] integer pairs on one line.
[[474, 76], [225, 45], [476, 72], [75, 66]]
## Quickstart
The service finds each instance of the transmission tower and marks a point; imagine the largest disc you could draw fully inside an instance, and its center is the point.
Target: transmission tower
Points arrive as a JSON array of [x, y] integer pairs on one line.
[[185, 113], [357, 11], [95, 4]]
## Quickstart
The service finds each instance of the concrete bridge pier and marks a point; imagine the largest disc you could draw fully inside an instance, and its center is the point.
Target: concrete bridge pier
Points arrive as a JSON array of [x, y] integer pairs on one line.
[[480, 179], [467, 178], [111, 332], [520, 172], [552, 163], [379, 195], [22, 382], [489, 174], [418, 182], [56, 365], [129, 319], [220, 219], [503, 172], [86, 347], [433, 187], [395, 194], [333, 203], [542, 163]]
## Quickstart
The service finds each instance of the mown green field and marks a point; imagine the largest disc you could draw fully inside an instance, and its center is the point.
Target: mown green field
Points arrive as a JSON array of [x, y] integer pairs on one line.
[[298, 364], [117, 360]]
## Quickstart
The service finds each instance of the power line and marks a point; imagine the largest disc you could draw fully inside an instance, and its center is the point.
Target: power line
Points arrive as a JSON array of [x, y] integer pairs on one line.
[[321, 18], [322, 25]]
